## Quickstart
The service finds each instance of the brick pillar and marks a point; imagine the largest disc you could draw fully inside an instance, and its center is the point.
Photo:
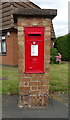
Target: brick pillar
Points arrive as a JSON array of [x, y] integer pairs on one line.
[[33, 88]]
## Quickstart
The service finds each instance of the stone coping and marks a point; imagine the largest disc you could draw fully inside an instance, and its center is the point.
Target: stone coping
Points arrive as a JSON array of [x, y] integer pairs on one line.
[[49, 13]]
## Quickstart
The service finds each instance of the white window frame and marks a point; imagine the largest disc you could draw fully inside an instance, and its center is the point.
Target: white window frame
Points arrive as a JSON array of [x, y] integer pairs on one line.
[[2, 39]]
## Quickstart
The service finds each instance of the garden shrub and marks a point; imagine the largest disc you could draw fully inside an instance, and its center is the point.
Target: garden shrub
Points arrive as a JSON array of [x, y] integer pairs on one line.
[[53, 54], [63, 46]]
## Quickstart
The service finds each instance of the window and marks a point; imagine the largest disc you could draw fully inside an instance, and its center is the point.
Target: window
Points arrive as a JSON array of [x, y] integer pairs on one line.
[[3, 45]]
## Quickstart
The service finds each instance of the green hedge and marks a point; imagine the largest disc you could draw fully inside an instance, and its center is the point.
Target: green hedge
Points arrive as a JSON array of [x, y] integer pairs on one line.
[[63, 45]]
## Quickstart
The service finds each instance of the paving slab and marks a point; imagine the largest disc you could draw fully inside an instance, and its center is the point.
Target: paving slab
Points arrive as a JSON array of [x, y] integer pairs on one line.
[[54, 109]]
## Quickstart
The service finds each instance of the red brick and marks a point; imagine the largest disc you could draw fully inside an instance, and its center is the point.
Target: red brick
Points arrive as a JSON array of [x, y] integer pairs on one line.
[[26, 79], [34, 87], [20, 71], [28, 75], [35, 83], [44, 83], [43, 87], [21, 75], [28, 22], [34, 78], [26, 84], [20, 23], [35, 92], [25, 88], [21, 79], [39, 78]]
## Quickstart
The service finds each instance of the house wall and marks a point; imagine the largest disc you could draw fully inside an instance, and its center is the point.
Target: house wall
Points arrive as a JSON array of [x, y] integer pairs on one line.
[[11, 57], [33, 88], [51, 44]]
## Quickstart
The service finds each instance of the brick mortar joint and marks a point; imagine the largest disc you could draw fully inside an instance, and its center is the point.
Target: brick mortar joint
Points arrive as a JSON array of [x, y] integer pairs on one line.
[[33, 85], [29, 95]]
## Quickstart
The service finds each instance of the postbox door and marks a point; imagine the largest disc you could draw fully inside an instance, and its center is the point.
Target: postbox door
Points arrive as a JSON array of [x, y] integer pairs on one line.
[[34, 49]]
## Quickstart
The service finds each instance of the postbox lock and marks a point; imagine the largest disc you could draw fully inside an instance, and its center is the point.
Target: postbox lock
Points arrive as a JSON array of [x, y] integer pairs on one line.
[[30, 68], [34, 43]]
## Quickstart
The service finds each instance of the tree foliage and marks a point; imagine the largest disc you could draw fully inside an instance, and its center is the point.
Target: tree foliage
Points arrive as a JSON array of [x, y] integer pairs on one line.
[[63, 46]]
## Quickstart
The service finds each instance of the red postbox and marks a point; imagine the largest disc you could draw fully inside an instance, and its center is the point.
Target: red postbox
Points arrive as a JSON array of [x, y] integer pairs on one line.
[[34, 49]]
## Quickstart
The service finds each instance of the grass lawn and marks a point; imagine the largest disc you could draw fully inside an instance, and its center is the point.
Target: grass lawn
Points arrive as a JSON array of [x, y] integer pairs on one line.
[[0, 80], [10, 80], [58, 79]]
